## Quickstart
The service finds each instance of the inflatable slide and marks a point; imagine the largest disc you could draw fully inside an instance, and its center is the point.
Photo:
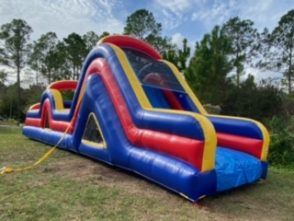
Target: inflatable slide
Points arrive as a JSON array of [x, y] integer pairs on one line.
[[134, 110]]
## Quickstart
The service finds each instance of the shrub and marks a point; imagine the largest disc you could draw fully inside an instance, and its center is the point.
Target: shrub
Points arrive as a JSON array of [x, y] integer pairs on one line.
[[249, 100], [282, 142]]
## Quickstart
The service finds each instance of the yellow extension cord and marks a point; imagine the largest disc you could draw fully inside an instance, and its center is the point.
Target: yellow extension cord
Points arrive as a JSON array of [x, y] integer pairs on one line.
[[5, 170]]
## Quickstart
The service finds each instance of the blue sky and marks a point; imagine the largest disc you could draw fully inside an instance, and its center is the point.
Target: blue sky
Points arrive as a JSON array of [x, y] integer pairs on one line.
[[180, 18]]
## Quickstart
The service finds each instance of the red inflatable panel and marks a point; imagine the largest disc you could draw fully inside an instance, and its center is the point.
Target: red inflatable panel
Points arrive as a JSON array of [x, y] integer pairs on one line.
[[248, 145], [64, 85], [35, 122], [173, 100], [184, 148], [131, 42], [35, 106]]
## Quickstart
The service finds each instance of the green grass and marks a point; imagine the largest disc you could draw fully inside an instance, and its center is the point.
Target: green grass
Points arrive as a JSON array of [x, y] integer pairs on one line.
[[71, 187]]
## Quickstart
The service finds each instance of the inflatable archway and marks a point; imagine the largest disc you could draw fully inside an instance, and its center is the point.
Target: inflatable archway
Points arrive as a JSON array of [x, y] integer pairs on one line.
[[134, 110]]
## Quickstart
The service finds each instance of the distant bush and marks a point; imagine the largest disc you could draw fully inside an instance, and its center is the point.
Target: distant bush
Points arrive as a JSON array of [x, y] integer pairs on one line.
[[249, 100], [282, 142], [288, 105]]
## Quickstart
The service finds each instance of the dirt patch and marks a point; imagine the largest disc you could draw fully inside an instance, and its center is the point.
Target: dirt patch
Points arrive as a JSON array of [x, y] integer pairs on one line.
[[98, 173]]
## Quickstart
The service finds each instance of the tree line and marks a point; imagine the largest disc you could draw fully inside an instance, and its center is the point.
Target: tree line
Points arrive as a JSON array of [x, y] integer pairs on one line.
[[214, 70]]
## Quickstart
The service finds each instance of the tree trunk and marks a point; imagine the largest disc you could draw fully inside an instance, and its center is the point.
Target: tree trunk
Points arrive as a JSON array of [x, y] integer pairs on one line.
[[49, 77], [38, 70], [238, 69], [238, 76], [18, 107], [76, 73], [289, 83], [290, 73], [37, 78]]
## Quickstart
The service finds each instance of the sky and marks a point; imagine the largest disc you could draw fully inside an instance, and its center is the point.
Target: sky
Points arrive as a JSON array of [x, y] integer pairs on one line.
[[179, 18]]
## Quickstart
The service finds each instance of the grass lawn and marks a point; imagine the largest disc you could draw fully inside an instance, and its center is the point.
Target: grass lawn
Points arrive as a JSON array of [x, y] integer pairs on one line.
[[71, 187]]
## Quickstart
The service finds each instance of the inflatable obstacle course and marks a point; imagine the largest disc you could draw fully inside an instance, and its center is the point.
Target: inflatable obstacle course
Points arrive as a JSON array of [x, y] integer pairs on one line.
[[134, 110]]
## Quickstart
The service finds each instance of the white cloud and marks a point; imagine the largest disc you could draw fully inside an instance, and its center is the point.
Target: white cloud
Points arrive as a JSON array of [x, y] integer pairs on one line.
[[259, 75], [215, 13], [63, 17], [174, 12], [177, 39], [175, 6], [263, 13], [169, 20]]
